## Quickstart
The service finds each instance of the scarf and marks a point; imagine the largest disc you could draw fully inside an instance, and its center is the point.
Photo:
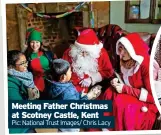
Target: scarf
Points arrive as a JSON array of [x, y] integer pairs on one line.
[[25, 77]]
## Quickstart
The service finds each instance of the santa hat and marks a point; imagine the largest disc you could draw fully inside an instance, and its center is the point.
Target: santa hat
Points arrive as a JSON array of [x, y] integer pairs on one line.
[[88, 40], [135, 46], [33, 34]]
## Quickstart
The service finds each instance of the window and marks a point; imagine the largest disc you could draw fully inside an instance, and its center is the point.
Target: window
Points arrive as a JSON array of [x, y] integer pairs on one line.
[[143, 11]]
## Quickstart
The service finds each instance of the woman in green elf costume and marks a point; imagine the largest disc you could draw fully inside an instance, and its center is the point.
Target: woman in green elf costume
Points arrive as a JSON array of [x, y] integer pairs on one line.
[[39, 60]]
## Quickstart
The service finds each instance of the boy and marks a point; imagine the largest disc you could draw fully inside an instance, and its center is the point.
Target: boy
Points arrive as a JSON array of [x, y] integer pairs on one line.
[[63, 89]]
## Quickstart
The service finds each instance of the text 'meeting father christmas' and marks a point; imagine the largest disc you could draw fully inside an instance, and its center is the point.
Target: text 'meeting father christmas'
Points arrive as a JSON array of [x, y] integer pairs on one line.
[[60, 114]]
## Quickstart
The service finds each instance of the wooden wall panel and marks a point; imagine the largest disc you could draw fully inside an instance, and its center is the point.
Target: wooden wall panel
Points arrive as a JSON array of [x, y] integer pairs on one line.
[[12, 27], [18, 18], [101, 13]]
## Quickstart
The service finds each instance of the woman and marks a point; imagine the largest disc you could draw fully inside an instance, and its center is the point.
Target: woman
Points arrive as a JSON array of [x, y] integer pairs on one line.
[[20, 83], [39, 60], [133, 103]]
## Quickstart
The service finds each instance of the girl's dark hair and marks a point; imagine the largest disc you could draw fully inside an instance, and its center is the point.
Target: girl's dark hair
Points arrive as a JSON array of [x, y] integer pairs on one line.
[[59, 68], [12, 57]]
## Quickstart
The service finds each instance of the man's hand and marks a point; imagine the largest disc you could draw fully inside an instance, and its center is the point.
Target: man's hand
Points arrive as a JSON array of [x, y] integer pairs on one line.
[[86, 82]]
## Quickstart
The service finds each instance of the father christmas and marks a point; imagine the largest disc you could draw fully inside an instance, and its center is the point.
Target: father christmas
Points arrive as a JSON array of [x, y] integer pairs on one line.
[[89, 61]]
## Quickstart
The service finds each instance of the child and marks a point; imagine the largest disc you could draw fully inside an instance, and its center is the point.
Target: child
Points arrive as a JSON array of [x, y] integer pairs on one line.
[[63, 89]]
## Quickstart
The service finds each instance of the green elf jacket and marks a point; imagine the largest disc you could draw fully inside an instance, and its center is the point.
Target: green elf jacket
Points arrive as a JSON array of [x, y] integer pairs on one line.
[[39, 65]]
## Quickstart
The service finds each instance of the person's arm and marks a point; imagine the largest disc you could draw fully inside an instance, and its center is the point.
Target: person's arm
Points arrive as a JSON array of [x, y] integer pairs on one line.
[[82, 95], [83, 98], [144, 94], [13, 93], [105, 68], [70, 94]]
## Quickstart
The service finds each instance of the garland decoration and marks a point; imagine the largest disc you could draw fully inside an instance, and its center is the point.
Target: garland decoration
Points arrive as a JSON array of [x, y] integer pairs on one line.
[[55, 16], [92, 16]]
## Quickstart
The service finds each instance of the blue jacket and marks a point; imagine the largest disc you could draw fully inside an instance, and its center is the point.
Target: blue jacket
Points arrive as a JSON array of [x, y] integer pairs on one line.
[[64, 91]]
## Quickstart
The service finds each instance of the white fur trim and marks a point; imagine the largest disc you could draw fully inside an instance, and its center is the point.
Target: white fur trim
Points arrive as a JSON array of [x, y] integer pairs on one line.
[[143, 95], [89, 47], [96, 78], [129, 47], [136, 68], [144, 109]]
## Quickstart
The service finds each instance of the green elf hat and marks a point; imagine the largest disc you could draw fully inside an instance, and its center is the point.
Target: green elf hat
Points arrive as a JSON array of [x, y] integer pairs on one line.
[[33, 34]]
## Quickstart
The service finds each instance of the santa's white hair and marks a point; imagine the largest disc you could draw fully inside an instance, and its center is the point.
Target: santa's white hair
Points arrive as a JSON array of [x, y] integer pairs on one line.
[[84, 65]]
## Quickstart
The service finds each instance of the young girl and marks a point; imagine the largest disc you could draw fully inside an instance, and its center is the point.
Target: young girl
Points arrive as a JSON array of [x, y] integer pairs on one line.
[[39, 60], [20, 83]]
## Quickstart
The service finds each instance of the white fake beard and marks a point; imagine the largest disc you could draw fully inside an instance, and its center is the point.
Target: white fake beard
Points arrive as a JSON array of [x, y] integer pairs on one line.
[[84, 65]]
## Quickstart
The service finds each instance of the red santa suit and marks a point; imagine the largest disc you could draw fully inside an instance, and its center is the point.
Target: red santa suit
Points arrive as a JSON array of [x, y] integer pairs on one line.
[[133, 107], [96, 65]]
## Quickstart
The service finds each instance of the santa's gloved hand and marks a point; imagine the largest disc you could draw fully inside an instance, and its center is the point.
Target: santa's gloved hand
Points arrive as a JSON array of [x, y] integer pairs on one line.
[[86, 82]]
